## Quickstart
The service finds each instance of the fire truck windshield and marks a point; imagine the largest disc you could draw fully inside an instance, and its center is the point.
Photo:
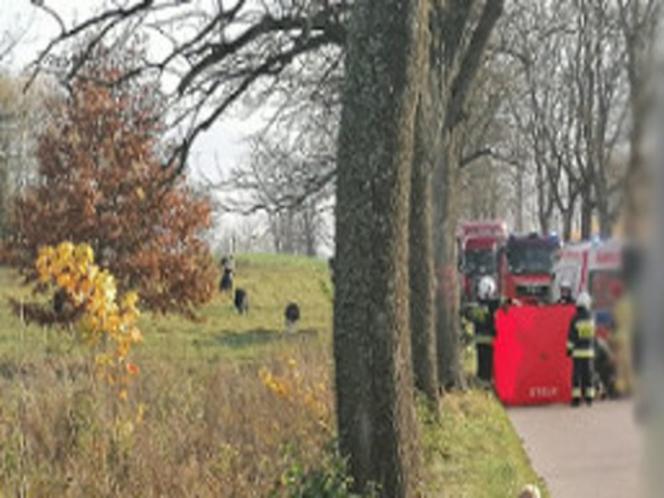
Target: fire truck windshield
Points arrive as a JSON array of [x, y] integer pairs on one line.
[[525, 259], [479, 262]]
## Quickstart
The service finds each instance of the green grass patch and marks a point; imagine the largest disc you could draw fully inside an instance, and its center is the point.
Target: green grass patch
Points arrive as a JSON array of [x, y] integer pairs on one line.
[[473, 451], [272, 281]]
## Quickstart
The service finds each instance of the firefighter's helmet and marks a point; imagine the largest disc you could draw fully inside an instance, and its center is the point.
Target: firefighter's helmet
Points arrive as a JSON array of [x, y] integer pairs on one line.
[[584, 301], [486, 288]]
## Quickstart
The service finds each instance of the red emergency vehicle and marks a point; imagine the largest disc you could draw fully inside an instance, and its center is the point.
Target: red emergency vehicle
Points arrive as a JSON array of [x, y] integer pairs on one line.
[[594, 267], [526, 265], [480, 244]]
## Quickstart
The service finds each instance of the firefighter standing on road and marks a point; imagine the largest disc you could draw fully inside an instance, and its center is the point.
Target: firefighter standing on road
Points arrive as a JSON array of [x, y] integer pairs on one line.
[[482, 318], [581, 347]]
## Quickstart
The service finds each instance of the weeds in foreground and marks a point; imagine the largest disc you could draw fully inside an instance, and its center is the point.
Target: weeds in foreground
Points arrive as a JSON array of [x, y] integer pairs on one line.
[[216, 431]]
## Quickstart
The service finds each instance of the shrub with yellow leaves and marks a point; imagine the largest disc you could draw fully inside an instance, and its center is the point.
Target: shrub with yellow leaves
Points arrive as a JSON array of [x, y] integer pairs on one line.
[[104, 321], [292, 387]]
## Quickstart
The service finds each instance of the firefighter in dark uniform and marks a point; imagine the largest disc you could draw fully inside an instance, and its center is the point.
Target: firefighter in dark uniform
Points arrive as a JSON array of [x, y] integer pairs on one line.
[[581, 347], [482, 318]]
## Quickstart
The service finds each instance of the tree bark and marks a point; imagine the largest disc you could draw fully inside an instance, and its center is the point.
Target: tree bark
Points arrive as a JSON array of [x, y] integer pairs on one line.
[[586, 214], [445, 183], [453, 74], [568, 216], [544, 223], [372, 350], [422, 274], [604, 217], [520, 197], [309, 222]]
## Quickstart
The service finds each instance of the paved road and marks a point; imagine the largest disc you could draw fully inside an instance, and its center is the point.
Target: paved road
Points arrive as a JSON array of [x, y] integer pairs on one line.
[[583, 452]]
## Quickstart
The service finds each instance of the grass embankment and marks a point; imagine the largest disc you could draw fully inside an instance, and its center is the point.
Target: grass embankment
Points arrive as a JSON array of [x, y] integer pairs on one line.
[[473, 450], [219, 333], [271, 282], [224, 406]]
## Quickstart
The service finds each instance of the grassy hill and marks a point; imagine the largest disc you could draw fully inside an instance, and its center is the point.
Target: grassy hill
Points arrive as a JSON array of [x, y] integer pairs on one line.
[[271, 282], [219, 332], [226, 405]]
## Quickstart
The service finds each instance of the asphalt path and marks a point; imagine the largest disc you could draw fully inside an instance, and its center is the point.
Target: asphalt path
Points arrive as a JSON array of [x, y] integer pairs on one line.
[[585, 452]]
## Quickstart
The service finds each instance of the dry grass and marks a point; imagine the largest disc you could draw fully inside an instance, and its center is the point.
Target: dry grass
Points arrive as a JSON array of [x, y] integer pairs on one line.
[[204, 431], [199, 421]]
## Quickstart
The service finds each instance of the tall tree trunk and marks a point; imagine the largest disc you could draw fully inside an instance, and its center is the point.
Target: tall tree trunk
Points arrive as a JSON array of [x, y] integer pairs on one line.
[[422, 275], [544, 202], [586, 213], [275, 229], [309, 218], [649, 303], [605, 218], [447, 297], [520, 171], [289, 232], [544, 223], [372, 350], [454, 73], [568, 217]]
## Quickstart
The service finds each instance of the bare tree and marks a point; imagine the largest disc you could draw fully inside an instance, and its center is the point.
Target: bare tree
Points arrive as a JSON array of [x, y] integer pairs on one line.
[[290, 180], [10, 39], [217, 54], [458, 35], [460, 32], [282, 56], [570, 106], [487, 176]]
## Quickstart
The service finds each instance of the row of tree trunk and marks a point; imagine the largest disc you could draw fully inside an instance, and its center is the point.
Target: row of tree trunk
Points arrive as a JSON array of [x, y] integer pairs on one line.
[[409, 66]]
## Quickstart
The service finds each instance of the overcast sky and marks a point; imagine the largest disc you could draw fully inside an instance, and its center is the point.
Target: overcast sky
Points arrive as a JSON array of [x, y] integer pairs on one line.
[[223, 143]]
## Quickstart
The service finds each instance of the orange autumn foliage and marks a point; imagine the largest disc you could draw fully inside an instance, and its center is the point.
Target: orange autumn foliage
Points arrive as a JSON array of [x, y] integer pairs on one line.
[[101, 182]]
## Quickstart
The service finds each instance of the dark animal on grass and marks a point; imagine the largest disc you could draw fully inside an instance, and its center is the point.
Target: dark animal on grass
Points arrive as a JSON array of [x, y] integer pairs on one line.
[[241, 301], [292, 315]]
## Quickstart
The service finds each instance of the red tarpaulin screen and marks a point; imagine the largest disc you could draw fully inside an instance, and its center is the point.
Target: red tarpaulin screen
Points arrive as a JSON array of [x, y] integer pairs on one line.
[[530, 362]]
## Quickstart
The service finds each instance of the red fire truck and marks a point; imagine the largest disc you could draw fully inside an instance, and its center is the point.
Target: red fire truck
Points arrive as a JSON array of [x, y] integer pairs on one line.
[[480, 244], [526, 267]]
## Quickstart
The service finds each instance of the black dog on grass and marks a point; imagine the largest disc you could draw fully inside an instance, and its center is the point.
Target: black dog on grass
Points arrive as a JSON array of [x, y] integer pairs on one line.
[[292, 315], [241, 301]]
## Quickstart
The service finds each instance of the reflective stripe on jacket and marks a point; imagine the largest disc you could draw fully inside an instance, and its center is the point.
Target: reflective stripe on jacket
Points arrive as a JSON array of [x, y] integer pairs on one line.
[[483, 339], [581, 335], [482, 318]]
